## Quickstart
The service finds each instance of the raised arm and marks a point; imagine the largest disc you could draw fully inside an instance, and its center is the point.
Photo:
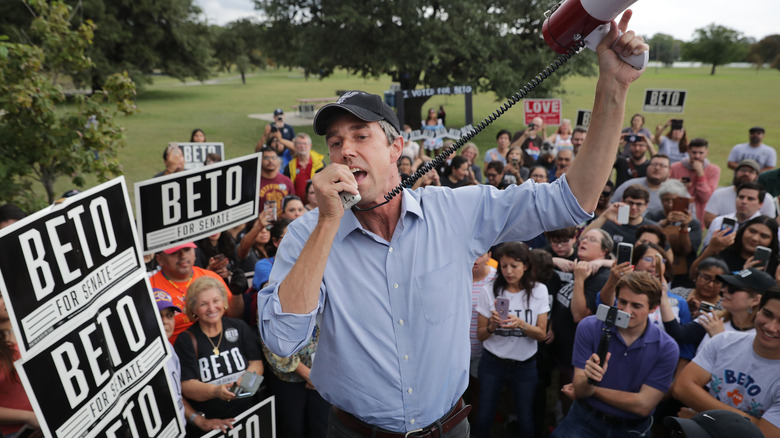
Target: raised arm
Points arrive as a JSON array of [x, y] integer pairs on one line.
[[591, 169]]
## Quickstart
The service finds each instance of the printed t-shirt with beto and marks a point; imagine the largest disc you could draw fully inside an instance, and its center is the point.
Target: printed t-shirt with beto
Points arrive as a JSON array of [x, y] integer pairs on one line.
[[514, 343], [237, 347], [178, 291], [741, 378]]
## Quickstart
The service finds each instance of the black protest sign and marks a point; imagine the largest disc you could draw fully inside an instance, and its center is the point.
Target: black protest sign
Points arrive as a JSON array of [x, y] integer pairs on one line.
[[57, 262], [78, 381], [583, 118], [195, 153], [664, 101], [188, 206], [258, 421]]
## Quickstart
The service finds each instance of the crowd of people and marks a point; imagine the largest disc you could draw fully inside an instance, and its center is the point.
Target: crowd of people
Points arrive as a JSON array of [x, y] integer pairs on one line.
[[699, 291]]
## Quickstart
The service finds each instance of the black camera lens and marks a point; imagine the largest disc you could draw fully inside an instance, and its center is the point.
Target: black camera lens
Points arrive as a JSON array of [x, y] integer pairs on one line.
[[632, 138]]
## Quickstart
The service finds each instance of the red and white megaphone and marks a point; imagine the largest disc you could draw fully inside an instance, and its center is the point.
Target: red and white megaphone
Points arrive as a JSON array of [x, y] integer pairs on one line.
[[589, 21]]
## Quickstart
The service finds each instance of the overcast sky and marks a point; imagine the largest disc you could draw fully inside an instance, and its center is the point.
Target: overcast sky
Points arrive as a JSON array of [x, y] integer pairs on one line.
[[679, 18]]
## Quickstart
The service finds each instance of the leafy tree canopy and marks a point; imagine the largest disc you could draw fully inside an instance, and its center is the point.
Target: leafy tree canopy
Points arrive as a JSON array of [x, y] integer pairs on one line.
[[238, 43], [492, 46], [766, 51], [716, 45], [41, 138], [664, 48]]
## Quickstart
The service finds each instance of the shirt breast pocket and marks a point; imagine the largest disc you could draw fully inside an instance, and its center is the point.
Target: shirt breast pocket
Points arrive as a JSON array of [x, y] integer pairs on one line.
[[436, 293]]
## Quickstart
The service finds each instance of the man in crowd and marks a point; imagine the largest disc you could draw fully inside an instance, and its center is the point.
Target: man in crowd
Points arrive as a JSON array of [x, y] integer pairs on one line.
[[697, 173], [305, 164], [494, 173], [635, 164], [531, 139], [177, 272], [738, 371], [657, 173], [577, 138], [562, 162], [622, 392], [10, 213], [376, 279], [750, 197], [273, 185], [637, 198], [498, 153], [173, 158], [755, 149], [723, 199], [771, 182]]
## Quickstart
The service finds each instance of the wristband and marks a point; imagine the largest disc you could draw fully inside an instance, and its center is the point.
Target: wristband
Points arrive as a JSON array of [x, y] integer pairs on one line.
[[195, 415]]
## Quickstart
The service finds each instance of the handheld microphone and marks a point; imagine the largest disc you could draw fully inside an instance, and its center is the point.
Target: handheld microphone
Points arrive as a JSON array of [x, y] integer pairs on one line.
[[589, 21]]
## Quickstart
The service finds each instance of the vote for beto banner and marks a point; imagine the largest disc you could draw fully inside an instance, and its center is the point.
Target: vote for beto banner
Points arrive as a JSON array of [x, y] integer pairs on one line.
[[187, 206], [58, 261]]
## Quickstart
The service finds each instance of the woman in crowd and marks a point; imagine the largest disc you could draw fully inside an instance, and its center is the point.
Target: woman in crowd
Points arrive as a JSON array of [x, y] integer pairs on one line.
[[470, 151], [515, 164], [215, 352], [197, 136], [263, 267], [251, 248], [458, 173], [654, 234], [216, 253], [15, 407], [311, 197], [292, 207], [562, 136], [707, 285], [637, 128], [740, 304], [510, 344], [674, 144], [737, 249], [538, 174], [432, 123], [404, 166]]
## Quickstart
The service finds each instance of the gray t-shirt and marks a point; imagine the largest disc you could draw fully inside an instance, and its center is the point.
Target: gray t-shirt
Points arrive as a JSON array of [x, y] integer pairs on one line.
[[653, 204], [764, 154], [740, 377]]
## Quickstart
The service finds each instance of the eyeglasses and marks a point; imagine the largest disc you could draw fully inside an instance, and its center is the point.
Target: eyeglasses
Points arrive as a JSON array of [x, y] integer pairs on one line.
[[591, 239], [605, 193], [491, 175], [710, 279], [635, 204], [732, 290], [559, 242]]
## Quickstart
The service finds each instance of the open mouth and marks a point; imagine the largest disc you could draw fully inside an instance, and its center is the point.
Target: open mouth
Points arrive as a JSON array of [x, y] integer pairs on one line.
[[359, 174]]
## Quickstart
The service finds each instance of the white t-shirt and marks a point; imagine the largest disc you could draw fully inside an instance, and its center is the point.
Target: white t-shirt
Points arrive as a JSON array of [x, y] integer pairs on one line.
[[514, 344], [671, 149], [740, 377], [477, 289], [764, 154], [727, 326], [724, 201]]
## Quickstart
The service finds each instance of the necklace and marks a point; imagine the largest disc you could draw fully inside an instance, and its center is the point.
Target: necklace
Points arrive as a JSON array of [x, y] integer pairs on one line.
[[216, 347], [186, 286]]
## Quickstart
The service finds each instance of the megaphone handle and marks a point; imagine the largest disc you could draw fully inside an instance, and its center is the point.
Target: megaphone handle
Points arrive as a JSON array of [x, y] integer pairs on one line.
[[594, 38]]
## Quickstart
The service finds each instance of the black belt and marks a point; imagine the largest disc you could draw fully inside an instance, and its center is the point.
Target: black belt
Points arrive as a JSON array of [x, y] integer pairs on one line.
[[613, 420], [446, 423]]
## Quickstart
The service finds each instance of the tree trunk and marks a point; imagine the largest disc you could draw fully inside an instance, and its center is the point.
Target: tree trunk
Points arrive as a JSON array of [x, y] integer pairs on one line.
[[243, 78], [413, 111], [712, 72]]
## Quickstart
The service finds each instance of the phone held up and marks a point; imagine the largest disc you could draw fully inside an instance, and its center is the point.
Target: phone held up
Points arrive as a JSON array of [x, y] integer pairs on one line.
[[625, 252], [502, 307], [622, 215], [762, 255], [729, 224]]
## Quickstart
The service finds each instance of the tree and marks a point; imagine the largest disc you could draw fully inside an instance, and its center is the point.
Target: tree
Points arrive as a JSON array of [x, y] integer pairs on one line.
[[492, 46], [41, 138], [766, 51], [138, 36], [664, 48], [238, 43], [716, 45]]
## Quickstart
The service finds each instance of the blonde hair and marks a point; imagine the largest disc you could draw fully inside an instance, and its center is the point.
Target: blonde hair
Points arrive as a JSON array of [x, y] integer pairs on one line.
[[198, 286]]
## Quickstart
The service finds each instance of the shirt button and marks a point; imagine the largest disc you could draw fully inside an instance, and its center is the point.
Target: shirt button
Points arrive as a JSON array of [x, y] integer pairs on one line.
[[363, 231], [412, 421], [391, 249], [395, 285], [401, 321], [409, 390], [406, 357]]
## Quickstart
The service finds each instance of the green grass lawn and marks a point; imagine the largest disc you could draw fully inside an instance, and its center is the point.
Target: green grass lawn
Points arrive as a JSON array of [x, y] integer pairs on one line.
[[720, 108]]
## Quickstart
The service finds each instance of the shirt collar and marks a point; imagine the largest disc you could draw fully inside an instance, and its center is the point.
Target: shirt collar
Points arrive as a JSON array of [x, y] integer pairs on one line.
[[409, 204], [652, 334]]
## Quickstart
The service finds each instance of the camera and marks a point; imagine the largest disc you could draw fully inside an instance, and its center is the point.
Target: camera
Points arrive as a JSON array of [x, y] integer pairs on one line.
[[632, 138], [279, 118], [531, 126]]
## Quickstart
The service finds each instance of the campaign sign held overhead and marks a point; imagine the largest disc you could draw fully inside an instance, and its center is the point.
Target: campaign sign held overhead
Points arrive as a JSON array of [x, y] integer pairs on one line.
[[58, 261], [195, 153], [548, 109], [188, 206]]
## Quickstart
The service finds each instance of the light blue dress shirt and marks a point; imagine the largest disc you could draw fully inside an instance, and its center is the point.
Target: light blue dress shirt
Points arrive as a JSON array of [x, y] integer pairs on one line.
[[394, 316]]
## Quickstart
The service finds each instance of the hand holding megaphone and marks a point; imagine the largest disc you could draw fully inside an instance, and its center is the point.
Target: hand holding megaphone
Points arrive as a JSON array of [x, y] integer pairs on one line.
[[588, 21]]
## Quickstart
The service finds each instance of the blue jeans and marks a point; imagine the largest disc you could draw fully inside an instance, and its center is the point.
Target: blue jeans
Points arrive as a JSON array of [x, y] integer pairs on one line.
[[495, 374], [580, 423]]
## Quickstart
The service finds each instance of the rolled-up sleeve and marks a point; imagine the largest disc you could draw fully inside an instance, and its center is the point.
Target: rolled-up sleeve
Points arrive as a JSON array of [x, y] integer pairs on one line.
[[285, 333]]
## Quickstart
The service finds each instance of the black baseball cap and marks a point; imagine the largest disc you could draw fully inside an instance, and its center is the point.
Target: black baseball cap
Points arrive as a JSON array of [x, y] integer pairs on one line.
[[364, 106], [756, 129], [749, 280], [714, 424], [278, 112]]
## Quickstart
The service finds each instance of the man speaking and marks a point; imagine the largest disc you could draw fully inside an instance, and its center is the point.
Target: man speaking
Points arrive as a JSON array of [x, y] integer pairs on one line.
[[390, 286]]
